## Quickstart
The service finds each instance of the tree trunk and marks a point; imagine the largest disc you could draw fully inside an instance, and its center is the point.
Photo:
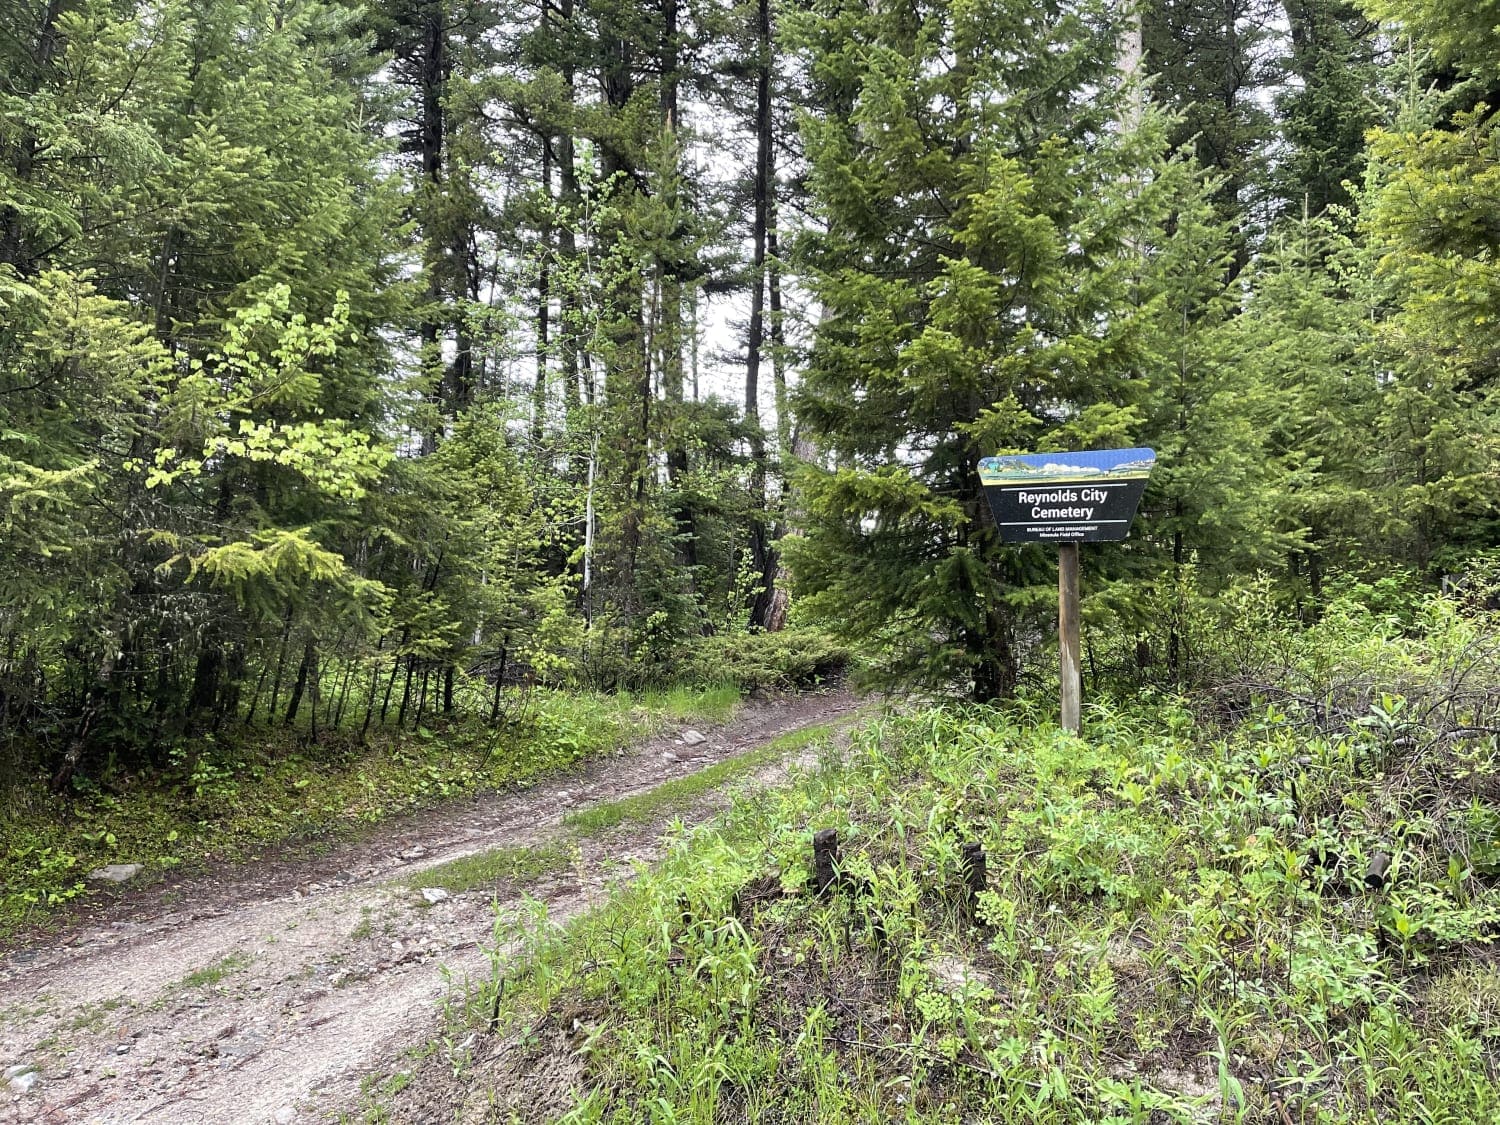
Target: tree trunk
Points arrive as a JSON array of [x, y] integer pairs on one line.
[[286, 633], [763, 558], [88, 718], [304, 670], [543, 302], [231, 686], [628, 379], [411, 663], [670, 333], [203, 696], [567, 244], [374, 689], [430, 133]]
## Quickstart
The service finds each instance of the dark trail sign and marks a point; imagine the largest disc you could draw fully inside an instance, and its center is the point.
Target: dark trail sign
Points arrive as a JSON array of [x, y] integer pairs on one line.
[[1066, 497]]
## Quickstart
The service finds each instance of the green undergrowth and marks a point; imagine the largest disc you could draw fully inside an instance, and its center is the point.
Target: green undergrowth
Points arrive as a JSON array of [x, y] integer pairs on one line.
[[791, 660], [1178, 924], [232, 798]]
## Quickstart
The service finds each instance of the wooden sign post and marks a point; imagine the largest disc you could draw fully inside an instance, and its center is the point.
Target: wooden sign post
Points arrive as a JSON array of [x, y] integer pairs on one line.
[[1067, 499], [1067, 635]]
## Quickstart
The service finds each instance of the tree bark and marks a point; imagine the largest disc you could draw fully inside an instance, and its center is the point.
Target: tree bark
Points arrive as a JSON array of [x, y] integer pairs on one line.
[[543, 301], [430, 136], [670, 333], [304, 670], [763, 558], [82, 730]]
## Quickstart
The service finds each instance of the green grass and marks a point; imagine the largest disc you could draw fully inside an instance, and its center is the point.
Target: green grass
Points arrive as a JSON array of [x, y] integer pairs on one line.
[[511, 865], [680, 793], [716, 704], [29, 1010], [264, 788], [213, 973], [365, 927], [1157, 941], [93, 1016]]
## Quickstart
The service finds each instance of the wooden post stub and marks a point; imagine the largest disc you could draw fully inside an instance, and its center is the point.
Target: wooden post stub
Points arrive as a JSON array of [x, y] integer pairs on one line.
[[1067, 635], [825, 860], [1376, 872], [974, 873]]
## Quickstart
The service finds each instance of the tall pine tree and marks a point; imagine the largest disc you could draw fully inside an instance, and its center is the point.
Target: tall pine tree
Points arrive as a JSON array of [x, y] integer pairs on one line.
[[983, 281]]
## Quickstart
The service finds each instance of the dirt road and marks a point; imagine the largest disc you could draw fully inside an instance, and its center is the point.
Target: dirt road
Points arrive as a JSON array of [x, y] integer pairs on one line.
[[267, 993]]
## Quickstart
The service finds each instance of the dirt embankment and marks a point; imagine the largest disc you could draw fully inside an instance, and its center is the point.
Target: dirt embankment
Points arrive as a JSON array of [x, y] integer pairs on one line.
[[267, 993]]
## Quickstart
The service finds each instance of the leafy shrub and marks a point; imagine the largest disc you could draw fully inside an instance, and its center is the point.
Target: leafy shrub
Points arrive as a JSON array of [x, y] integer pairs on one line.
[[793, 658]]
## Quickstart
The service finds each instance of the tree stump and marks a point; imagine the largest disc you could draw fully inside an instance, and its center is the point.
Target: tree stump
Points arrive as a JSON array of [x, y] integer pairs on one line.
[[974, 874], [825, 860]]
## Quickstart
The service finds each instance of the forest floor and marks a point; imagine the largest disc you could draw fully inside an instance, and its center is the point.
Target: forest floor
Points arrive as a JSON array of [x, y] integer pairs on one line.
[[268, 992]]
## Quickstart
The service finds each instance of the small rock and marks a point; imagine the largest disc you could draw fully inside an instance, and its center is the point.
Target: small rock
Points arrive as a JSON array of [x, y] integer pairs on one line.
[[693, 738], [243, 1046], [24, 1083], [958, 975], [285, 1115], [434, 895], [397, 948], [17, 1071], [116, 872], [122, 1048], [669, 756], [416, 851]]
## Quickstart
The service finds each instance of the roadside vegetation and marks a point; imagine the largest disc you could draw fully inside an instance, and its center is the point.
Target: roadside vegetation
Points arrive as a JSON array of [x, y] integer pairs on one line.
[[521, 864], [1273, 899], [230, 798]]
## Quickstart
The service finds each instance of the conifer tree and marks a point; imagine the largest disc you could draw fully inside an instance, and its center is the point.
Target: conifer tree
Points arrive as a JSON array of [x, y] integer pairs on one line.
[[1305, 354], [188, 313], [1431, 205], [1335, 100], [981, 289], [1213, 61]]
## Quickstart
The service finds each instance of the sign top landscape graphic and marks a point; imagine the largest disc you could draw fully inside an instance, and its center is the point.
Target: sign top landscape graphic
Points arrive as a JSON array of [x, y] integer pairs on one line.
[[1082, 497], [1047, 468]]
